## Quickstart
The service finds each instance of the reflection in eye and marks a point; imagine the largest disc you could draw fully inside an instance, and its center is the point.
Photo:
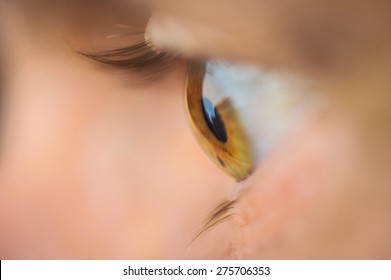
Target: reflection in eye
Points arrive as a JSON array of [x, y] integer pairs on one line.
[[217, 126], [238, 112]]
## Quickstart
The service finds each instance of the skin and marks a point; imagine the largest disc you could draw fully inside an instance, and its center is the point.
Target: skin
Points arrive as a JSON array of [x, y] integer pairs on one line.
[[323, 191], [95, 164]]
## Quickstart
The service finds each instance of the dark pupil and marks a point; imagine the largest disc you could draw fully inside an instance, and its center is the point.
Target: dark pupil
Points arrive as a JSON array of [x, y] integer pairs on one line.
[[213, 120]]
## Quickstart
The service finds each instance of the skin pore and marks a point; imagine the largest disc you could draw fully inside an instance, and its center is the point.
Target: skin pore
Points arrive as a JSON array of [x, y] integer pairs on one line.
[[99, 161]]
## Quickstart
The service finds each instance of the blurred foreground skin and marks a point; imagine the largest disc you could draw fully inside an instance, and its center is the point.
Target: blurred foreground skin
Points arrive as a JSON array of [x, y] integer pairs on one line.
[[324, 191], [96, 163]]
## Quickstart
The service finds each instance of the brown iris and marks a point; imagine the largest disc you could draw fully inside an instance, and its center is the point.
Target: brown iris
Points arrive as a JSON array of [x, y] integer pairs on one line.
[[217, 126]]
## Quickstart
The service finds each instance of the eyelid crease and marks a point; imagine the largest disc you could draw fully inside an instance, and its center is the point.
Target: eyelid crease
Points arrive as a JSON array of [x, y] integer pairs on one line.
[[139, 57]]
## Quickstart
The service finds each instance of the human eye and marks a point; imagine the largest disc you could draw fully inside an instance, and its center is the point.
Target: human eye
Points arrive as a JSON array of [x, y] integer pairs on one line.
[[238, 111]]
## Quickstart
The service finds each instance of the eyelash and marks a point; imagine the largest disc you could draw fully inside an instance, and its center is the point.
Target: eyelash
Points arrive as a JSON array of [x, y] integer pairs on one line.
[[223, 212], [138, 58], [142, 57]]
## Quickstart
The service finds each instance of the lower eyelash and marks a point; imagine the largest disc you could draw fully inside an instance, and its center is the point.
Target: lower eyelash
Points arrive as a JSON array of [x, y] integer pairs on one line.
[[223, 212]]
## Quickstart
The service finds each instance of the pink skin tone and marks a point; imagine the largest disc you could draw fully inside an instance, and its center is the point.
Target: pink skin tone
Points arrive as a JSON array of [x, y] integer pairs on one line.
[[96, 165], [323, 191]]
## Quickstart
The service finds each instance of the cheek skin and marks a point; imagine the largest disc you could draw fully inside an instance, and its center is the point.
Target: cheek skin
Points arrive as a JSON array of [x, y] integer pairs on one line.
[[93, 167], [101, 175], [308, 200]]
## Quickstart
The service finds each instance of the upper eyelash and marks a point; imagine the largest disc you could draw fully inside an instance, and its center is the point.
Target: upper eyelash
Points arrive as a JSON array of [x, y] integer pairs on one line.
[[137, 57]]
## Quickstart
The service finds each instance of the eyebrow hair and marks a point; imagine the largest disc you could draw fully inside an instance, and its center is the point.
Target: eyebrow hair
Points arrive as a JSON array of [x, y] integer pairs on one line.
[[222, 213]]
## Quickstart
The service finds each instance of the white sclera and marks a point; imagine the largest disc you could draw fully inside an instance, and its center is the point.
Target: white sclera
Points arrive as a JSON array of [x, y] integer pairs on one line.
[[268, 103]]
